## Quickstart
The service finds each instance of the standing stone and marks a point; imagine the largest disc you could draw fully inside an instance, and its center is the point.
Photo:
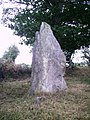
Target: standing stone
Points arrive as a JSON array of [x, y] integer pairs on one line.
[[48, 63]]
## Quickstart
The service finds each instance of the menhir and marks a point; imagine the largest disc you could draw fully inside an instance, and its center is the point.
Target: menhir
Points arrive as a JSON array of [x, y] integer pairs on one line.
[[48, 63]]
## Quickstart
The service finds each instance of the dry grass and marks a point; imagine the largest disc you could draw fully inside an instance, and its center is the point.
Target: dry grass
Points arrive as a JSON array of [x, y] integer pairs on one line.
[[74, 104]]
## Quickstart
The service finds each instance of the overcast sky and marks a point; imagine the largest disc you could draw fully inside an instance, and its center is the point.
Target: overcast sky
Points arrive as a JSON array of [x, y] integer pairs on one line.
[[7, 39]]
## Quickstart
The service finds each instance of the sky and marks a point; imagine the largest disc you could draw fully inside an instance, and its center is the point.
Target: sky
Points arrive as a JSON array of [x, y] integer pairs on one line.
[[7, 39]]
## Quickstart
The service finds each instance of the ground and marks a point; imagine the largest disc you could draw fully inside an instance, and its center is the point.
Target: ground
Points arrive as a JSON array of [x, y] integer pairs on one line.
[[73, 104]]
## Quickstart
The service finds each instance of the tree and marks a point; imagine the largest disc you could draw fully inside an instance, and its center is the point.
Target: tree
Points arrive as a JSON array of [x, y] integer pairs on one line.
[[69, 19], [11, 53]]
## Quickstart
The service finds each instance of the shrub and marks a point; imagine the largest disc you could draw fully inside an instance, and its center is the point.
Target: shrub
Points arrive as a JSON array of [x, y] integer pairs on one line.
[[11, 70]]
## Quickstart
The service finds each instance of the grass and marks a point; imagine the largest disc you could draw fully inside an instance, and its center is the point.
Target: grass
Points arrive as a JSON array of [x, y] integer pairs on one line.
[[73, 104]]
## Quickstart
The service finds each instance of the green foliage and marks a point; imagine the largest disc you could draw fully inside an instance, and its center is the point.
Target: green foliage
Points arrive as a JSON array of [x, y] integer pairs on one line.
[[11, 53], [69, 19]]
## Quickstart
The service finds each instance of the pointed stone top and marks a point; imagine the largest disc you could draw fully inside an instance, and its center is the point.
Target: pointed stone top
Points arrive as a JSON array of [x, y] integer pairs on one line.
[[45, 26]]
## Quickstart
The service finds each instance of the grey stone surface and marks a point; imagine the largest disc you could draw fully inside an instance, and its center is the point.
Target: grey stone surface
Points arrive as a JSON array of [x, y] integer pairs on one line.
[[48, 64]]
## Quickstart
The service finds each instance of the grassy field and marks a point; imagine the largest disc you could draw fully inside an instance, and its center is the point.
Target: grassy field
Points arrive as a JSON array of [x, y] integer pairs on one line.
[[74, 104]]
